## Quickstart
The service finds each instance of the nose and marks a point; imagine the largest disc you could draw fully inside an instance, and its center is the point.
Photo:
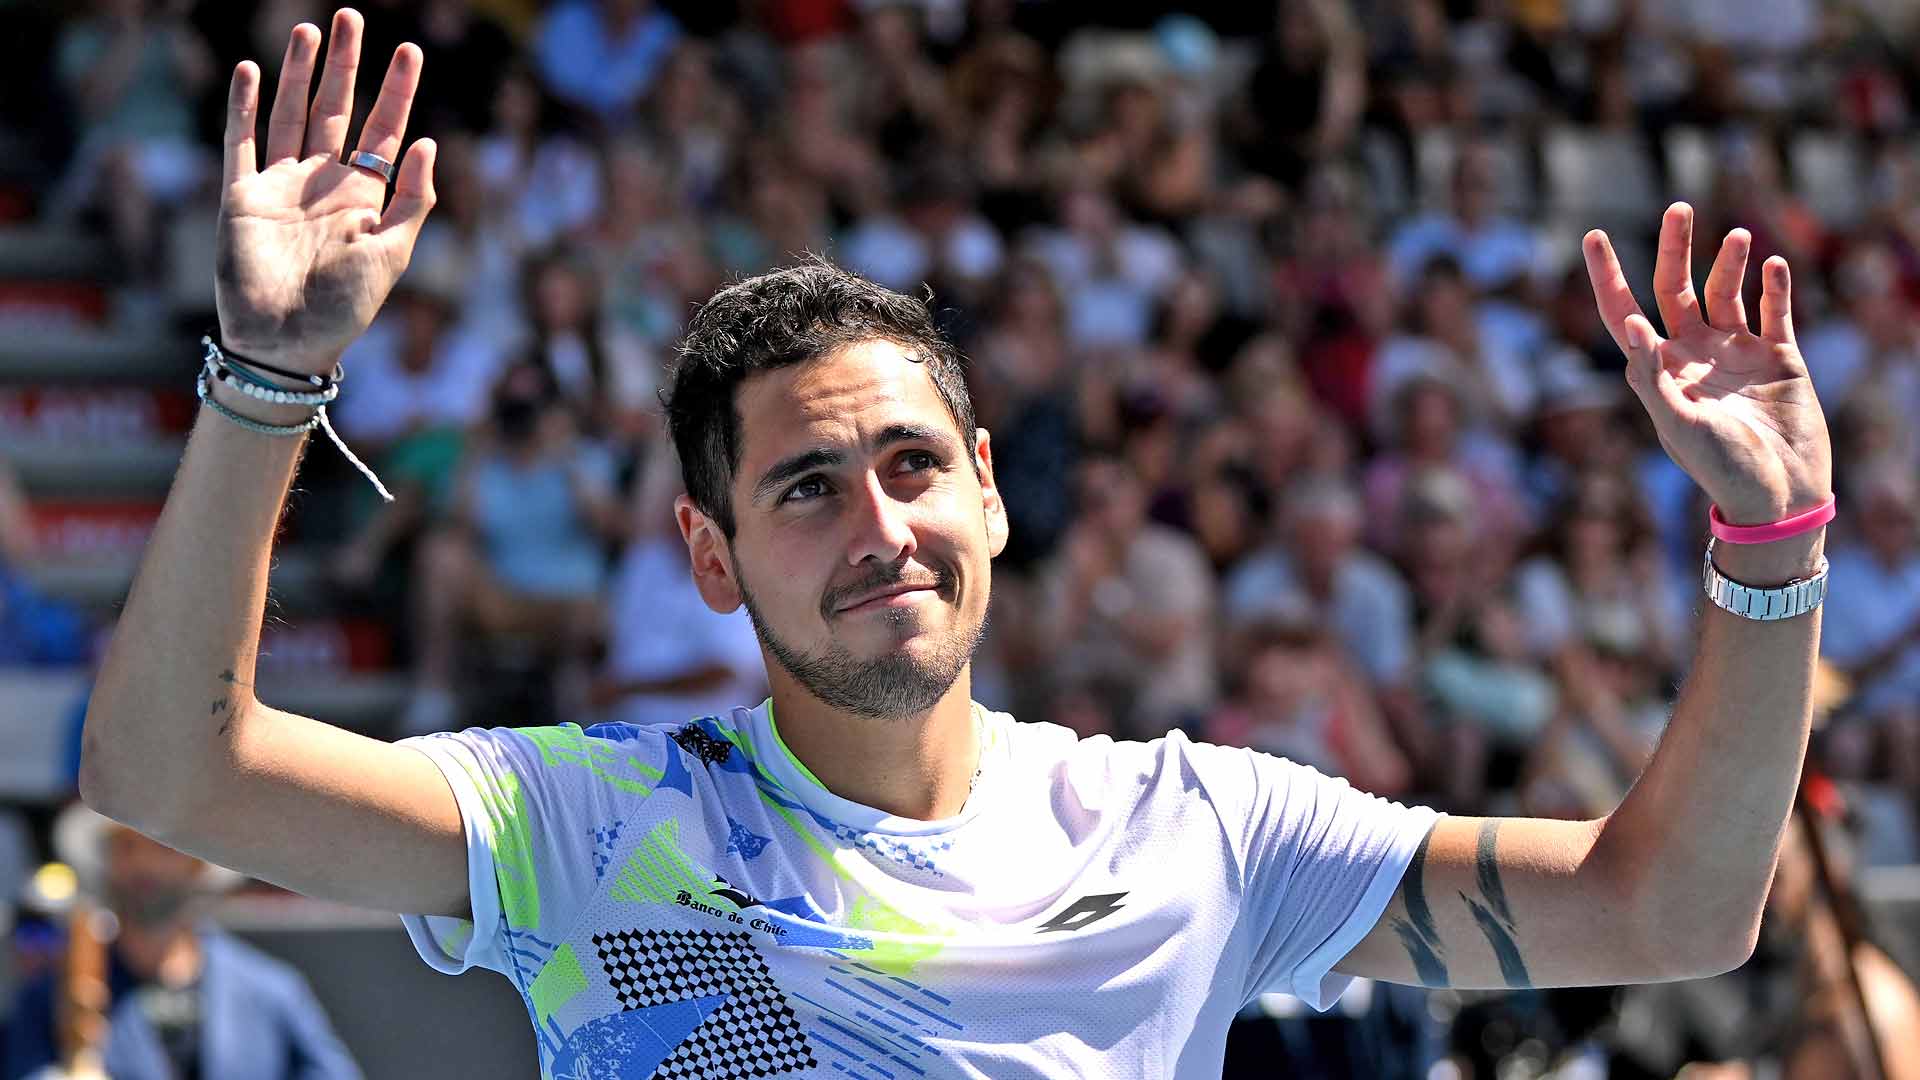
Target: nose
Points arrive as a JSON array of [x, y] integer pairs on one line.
[[880, 527]]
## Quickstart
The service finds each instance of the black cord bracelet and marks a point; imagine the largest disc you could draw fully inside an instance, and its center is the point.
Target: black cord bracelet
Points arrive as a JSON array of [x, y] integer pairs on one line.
[[320, 382]]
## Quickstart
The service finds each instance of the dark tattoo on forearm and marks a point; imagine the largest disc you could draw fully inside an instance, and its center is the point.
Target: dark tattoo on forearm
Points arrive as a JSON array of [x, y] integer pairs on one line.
[[223, 705], [1495, 917], [1417, 933]]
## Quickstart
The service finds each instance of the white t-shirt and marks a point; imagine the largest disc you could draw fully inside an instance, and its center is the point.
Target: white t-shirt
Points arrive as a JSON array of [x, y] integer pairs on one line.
[[689, 902]]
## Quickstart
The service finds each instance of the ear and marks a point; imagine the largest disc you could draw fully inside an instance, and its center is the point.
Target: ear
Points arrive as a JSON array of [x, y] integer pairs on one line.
[[707, 550], [991, 503]]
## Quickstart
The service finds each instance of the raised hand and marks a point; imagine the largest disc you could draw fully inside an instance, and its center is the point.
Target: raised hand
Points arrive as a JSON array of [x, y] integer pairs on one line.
[[1735, 409], [306, 254]]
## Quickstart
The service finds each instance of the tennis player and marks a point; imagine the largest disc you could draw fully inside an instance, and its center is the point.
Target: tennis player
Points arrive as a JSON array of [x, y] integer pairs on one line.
[[869, 874]]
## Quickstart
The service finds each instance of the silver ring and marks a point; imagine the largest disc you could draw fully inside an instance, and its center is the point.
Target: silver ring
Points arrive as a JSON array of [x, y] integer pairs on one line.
[[373, 163]]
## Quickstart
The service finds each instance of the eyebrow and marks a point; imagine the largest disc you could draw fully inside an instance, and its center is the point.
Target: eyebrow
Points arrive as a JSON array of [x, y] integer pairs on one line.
[[822, 457]]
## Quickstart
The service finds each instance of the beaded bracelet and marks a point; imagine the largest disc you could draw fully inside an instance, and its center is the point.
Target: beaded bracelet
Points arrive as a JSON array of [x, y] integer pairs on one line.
[[219, 365], [205, 390], [261, 390]]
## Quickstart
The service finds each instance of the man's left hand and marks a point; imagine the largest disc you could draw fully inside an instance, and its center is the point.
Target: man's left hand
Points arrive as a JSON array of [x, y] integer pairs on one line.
[[1735, 409]]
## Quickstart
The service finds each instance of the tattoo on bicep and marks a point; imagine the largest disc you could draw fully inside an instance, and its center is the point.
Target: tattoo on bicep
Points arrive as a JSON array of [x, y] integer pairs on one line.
[[1495, 917], [1416, 932]]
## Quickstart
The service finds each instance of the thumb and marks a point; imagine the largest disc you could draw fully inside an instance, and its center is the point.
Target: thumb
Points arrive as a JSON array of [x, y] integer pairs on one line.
[[413, 196], [1647, 373]]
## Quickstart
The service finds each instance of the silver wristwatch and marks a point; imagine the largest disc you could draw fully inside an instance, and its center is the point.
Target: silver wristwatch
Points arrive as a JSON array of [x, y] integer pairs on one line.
[[1796, 597]]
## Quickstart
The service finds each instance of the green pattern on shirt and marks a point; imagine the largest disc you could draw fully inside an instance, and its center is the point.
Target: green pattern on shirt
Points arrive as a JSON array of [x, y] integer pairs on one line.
[[567, 744], [659, 870]]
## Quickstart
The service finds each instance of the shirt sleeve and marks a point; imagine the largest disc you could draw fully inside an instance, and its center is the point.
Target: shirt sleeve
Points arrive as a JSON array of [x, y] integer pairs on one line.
[[534, 803], [1319, 862]]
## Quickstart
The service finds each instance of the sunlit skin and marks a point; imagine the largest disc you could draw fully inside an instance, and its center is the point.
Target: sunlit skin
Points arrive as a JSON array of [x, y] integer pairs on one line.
[[813, 546]]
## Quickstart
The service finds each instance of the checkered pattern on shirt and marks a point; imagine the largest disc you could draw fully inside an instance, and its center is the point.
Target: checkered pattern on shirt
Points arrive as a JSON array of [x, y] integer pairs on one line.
[[753, 1034]]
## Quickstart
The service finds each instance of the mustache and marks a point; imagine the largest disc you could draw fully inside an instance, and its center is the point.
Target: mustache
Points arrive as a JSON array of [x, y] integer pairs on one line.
[[839, 596]]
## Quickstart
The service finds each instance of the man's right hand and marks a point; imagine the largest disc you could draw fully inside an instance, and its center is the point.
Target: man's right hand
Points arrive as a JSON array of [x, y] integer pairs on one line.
[[306, 255]]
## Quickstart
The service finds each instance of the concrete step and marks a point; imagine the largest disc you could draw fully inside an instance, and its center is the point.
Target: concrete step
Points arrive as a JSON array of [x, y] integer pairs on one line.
[[99, 582], [43, 705], [149, 354], [50, 252], [60, 468]]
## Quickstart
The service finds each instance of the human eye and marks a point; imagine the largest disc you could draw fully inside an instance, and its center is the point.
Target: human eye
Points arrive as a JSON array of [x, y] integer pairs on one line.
[[810, 488], [920, 460]]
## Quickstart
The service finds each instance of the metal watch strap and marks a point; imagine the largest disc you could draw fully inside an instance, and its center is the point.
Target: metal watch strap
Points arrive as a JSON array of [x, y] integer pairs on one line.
[[1796, 597]]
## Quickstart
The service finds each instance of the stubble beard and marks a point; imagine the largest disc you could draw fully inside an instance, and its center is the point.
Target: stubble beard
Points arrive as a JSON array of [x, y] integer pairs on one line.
[[899, 685]]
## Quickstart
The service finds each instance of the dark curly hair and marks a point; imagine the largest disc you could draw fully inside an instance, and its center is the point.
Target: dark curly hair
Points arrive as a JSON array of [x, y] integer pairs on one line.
[[774, 320]]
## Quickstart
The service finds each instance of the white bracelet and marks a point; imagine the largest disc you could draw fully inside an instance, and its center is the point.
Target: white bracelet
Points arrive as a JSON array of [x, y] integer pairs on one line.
[[204, 388], [277, 397]]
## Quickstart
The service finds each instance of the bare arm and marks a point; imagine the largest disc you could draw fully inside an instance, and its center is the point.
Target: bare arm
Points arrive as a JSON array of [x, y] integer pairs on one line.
[[176, 743], [1672, 883]]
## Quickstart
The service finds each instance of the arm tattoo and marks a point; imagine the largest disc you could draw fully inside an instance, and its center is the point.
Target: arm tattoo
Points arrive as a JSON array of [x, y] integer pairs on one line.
[[1417, 933], [221, 705], [1495, 917]]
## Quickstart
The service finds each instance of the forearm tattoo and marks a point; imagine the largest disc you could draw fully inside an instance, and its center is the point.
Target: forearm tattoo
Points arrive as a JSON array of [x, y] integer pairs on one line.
[[1417, 933], [1495, 916], [1420, 936]]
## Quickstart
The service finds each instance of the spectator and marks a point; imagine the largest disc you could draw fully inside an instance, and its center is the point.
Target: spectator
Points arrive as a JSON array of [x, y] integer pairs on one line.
[[132, 73], [669, 656], [473, 244], [1426, 435], [605, 374], [1486, 696], [1305, 99], [1495, 252], [1877, 576], [1109, 271], [471, 53], [1127, 600], [1314, 554], [649, 251], [602, 56], [1598, 582], [542, 180], [1446, 337], [523, 551], [1296, 695], [935, 238], [419, 383], [184, 998]]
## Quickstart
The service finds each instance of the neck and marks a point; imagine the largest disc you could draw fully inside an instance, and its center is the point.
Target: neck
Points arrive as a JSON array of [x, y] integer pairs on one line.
[[918, 767], [168, 955]]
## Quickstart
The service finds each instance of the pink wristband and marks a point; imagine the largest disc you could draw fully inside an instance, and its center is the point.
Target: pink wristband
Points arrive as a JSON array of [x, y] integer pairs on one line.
[[1773, 530]]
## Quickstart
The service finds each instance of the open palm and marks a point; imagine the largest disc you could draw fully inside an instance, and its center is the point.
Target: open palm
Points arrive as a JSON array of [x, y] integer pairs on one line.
[[306, 253], [1734, 408]]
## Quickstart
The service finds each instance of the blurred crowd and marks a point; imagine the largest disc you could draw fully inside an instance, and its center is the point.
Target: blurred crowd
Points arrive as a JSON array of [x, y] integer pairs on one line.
[[1310, 436]]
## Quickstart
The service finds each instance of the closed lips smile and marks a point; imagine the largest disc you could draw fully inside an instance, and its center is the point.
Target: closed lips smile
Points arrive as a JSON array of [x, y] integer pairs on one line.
[[898, 592]]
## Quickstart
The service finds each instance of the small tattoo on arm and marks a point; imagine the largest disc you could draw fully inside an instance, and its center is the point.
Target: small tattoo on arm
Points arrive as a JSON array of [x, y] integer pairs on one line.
[[1495, 917], [222, 704], [1417, 933]]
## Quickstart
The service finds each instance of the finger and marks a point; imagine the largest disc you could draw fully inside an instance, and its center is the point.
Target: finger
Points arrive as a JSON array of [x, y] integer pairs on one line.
[[1647, 374], [1673, 271], [386, 125], [238, 158], [413, 196], [1725, 309], [1776, 302], [1610, 290], [287, 125], [333, 104]]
